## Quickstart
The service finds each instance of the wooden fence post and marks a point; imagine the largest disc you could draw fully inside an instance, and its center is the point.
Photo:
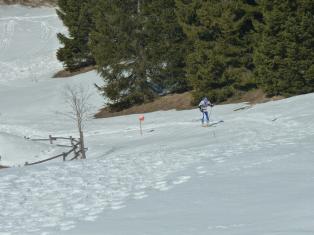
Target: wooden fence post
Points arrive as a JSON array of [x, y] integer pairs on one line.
[[50, 139], [83, 154], [64, 156], [73, 145]]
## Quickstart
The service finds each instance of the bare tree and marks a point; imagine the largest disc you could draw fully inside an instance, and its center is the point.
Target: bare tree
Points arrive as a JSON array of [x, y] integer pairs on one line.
[[77, 97]]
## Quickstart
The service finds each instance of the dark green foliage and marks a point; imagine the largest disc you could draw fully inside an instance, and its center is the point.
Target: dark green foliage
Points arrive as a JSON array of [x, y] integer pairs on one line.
[[77, 17], [285, 55], [218, 48], [139, 48], [168, 45], [223, 34]]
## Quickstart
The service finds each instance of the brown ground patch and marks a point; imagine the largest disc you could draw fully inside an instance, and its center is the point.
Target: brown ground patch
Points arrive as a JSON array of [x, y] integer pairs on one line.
[[253, 97], [174, 101], [183, 101], [65, 73], [3, 167]]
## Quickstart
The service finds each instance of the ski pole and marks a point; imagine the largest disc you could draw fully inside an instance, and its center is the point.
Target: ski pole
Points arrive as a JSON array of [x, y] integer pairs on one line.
[[210, 112]]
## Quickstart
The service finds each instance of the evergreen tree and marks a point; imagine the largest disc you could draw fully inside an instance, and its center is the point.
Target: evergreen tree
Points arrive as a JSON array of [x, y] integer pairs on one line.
[[223, 35], [285, 55], [138, 49], [168, 45], [77, 17]]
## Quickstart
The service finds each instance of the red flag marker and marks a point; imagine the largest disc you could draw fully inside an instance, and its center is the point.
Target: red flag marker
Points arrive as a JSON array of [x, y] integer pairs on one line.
[[141, 118]]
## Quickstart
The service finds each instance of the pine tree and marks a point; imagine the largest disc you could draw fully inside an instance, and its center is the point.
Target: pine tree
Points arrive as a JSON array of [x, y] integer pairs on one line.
[[77, 17], [168, 45], [285, 54], [223, 34], [137, 46]]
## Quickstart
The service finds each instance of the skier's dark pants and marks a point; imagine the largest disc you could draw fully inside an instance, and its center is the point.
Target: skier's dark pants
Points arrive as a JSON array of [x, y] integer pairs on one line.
[[205, 115]]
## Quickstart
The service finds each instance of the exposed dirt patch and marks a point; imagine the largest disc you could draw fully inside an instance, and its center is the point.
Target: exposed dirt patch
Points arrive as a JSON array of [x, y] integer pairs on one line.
[[253, 97], [183, 101], [3, 167], [65, 73], [174, 101]]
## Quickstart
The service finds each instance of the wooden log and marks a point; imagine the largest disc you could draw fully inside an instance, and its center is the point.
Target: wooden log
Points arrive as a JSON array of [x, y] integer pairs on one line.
[[45, 160], [77, 154], [39, 139], [61, 138], [64, 154]]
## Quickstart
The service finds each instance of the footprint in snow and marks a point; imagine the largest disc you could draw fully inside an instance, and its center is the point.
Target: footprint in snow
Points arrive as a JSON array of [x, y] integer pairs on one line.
[[219, 160], [64, 226], [50, 225], [181, 179], [139, 195], [223, 227], [200, 170], [89, 218], [162, 186], [8, 177], [117, 205]]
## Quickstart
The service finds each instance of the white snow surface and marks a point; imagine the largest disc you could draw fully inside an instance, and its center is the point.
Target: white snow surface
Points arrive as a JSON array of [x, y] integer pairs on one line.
[[251, 174]]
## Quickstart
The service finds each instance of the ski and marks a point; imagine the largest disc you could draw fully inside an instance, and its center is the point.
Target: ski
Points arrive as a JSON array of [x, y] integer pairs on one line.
[[212, 123]]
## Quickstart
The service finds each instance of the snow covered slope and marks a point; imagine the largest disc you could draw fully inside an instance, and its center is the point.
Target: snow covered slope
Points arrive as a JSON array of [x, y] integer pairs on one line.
[[28, 43], [251, 174], [32, 102]]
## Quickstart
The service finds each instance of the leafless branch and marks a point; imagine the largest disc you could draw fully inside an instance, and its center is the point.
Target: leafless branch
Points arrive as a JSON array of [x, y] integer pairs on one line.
[[77, 98]]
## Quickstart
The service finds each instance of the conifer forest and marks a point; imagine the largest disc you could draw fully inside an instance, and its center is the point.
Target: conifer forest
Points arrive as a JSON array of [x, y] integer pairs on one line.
[[215, 48]]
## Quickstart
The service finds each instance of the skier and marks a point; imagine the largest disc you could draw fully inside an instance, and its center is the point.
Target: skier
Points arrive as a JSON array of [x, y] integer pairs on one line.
[[203, 108]]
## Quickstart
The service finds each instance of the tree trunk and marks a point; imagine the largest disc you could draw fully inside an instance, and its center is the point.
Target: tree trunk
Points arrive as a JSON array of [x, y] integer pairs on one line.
[[82, 145]]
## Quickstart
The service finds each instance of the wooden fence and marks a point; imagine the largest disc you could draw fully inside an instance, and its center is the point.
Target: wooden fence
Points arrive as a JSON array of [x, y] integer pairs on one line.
[[74, 148]]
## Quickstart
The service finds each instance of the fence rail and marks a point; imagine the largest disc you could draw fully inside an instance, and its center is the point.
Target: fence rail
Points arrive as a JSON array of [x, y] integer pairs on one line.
[[75, 144]]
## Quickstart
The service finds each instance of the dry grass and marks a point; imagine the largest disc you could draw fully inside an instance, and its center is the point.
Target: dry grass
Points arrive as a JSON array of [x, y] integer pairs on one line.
[[65, 73], [174, 101], [253, 97], [183, 101]]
